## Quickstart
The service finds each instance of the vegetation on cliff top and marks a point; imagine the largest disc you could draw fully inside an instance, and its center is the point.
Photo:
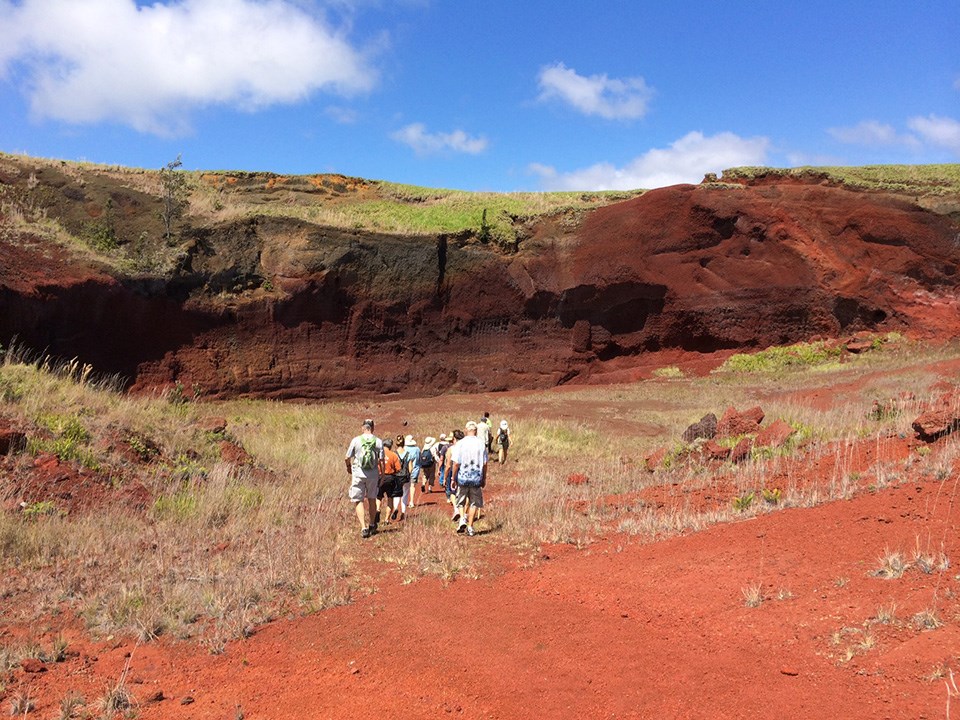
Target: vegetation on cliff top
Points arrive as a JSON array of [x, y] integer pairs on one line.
[[119, 215], [909, 179]]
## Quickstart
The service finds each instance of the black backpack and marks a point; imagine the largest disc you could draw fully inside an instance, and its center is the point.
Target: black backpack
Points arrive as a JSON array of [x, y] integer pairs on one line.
[[426, 458]]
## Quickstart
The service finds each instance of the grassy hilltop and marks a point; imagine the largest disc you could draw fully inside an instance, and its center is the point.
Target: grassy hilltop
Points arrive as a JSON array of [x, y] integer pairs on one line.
[[115, 212]]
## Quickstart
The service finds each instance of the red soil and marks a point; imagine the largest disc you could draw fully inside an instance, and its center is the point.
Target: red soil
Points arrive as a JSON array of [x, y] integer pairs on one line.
[[621, 629]]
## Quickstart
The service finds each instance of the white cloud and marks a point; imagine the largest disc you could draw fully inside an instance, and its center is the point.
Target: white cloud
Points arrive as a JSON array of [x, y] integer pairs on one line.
[[425, 143], [610, 98], [936, 130], [871, 132], [686, 161], [148, 67]]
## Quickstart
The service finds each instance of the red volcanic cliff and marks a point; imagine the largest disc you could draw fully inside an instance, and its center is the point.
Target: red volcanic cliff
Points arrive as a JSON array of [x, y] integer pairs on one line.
[[283, 308]]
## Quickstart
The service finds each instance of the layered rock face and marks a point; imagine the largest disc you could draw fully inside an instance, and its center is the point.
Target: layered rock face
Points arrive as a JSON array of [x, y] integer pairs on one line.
[[282, 308]]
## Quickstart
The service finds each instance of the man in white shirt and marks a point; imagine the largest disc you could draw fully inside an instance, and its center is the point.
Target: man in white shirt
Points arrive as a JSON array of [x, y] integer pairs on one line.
[[469, 471]]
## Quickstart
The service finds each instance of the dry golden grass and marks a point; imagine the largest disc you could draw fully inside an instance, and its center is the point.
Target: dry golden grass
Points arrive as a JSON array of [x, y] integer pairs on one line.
[[223, 548]]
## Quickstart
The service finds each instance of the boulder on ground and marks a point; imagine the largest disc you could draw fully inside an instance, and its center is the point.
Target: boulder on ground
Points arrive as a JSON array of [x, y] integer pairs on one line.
[[735, 423], [213, 424], [714, 451], [940, 418], [705, 428], [774, 435], [655, 459], [234, 454], [742, 450], [861, 342]]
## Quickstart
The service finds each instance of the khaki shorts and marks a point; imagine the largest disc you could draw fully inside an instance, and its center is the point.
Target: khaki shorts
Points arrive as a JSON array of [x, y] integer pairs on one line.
[[363, 488], [473, 493]]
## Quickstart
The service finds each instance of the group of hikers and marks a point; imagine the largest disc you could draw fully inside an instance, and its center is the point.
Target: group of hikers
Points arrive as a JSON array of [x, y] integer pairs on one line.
[[384, 474]]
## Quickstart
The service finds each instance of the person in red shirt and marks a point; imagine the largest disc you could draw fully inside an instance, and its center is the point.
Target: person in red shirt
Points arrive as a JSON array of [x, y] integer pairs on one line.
[[389, 494]]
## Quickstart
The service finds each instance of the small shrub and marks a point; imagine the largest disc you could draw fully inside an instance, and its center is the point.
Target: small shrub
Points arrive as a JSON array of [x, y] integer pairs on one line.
[[772, 496], [742, 503], [927, 620], [38, 509], [752, 595], [69, 443], [178, 506], [69, 705], [21, 703], [116, 700], [782, 358], [892, 566], [58, 649], [887, 614]]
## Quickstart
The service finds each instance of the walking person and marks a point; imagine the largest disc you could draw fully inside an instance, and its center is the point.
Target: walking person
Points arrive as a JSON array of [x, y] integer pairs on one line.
[[363, 465], [451, 485], [410, 473], [469, 469], [428, 465], [485, 431], [389, 494], [503, 441], [440, 452]]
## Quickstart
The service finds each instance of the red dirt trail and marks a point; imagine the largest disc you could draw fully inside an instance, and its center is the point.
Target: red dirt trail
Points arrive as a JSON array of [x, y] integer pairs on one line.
[[620, 630]]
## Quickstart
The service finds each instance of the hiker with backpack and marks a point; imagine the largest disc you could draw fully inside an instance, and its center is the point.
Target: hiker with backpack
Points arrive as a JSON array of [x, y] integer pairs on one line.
[[428, 465], [390, 492], [439, 453], [363, 465], [503, 441]]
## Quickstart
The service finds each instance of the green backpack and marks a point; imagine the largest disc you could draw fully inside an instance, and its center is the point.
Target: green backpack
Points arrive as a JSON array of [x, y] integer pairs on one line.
[[368, 452]]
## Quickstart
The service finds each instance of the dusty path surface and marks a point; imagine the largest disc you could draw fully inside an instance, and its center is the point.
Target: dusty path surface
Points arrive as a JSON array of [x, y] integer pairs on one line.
[[622, 629]]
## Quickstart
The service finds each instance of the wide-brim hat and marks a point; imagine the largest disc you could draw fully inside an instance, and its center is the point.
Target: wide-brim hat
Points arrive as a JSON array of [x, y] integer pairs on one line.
[[428, 442], [408, 441]]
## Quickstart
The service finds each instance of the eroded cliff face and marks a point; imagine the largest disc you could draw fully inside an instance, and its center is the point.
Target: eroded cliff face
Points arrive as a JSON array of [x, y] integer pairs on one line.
[[283, 308]]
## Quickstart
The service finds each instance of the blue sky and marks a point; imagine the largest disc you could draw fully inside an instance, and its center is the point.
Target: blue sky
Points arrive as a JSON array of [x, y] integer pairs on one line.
[[489, 95]]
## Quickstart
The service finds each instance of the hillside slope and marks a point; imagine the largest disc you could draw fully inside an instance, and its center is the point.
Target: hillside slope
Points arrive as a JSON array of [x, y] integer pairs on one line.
[[274, 304]]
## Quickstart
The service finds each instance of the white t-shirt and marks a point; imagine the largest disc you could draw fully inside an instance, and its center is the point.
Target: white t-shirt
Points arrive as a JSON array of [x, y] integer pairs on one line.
[[483, 432], [471, 454]]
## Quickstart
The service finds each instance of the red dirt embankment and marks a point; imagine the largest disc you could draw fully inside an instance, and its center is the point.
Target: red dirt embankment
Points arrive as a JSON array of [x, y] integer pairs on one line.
[[282, 308]]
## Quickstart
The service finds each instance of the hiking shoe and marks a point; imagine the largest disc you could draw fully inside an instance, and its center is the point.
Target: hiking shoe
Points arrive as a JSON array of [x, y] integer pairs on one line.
[[456, 516], [365, 533], [461, 529], [374, 528], [471, 532]]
